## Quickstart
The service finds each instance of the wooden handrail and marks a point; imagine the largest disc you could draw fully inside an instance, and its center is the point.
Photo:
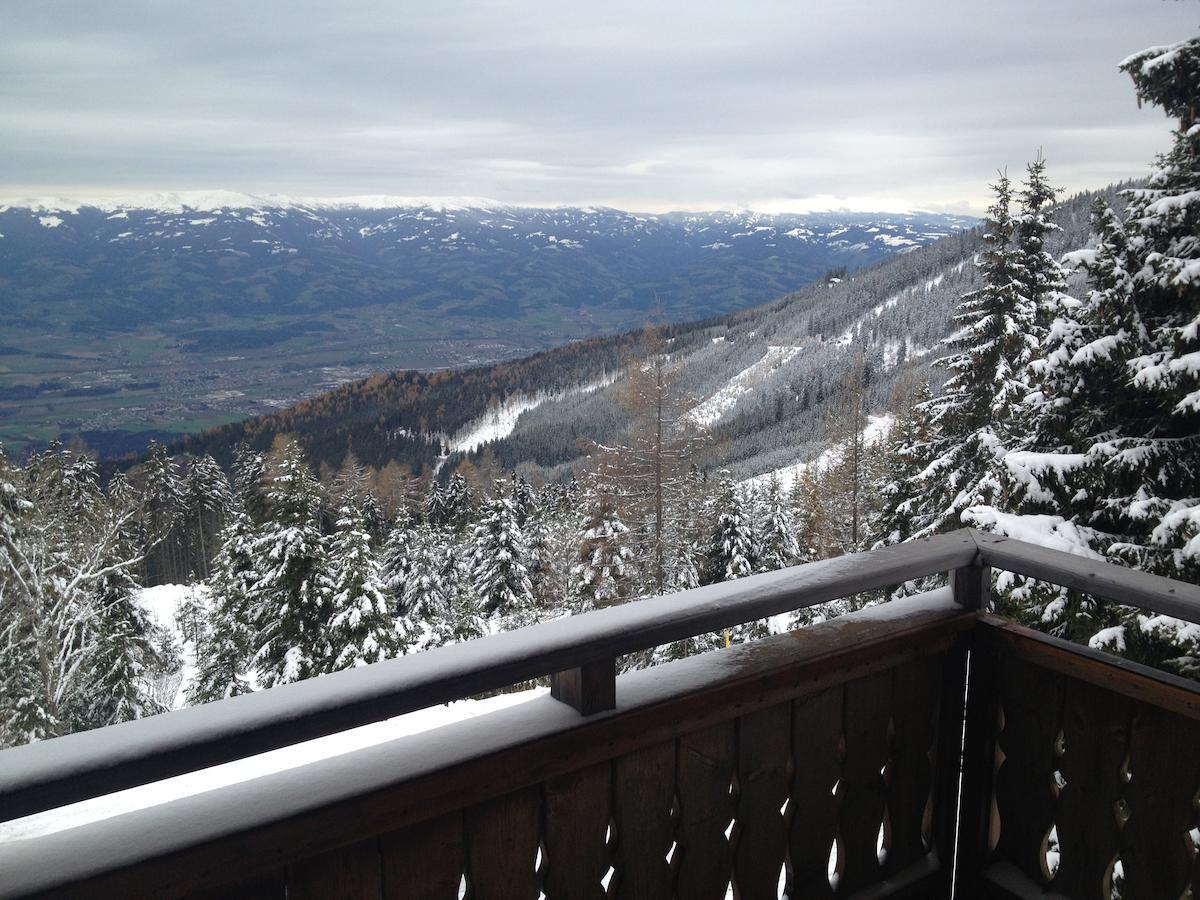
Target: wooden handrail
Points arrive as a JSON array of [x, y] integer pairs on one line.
[[1129, 587], [204, 840], [80, 766], [77, 767]]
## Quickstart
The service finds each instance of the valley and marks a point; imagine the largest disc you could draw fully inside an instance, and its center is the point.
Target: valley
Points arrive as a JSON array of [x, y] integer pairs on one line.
[[150, 317]]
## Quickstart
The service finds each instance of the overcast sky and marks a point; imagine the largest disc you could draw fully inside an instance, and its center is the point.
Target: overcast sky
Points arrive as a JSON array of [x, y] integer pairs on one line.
[[642, 105]]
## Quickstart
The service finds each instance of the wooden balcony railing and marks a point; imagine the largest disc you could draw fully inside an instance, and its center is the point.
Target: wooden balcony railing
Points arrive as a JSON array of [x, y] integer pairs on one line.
[[922, 748]]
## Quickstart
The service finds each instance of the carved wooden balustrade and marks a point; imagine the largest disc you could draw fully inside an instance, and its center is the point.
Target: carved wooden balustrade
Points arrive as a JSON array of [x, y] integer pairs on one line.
[[923, 748]]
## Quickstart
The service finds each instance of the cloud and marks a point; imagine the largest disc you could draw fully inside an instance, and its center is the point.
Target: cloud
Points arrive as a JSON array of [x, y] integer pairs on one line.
[[648, 106]]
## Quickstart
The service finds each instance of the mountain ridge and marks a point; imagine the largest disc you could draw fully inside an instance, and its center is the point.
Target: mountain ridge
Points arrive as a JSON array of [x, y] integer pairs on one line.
[[230, 311]]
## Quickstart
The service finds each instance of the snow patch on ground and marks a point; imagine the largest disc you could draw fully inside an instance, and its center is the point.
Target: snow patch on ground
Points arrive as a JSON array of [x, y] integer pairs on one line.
[[711, 410], [242, 770], [162, 603], [876, 428], [499, 421], [50, 221]]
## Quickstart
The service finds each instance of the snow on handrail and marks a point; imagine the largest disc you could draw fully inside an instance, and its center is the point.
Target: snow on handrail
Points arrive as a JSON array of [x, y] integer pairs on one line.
[[89, 764]]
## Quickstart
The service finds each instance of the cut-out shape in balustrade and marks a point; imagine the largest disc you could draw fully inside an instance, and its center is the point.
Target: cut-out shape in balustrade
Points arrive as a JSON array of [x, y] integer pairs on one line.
[[576, 827], [503, 846], [761, 840], [1050, 855], [1157, 849], [1096, 737], [865, 727], [644, 822], [706, 761], [836, 865], [908, 774], [817, 749], [1114, 880], [1027, 780]]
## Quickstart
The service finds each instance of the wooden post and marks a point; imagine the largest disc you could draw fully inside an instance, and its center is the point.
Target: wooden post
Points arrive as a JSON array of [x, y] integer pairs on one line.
[[972, 586], [591, 688]]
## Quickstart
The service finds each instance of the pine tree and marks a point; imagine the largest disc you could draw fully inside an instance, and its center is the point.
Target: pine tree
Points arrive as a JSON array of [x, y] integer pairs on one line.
[[435, 504], [646, 472], [425, 598], [499, 563], [207, 499], [65, 556], [900, 491], [777, 536], [733, 552], [604, 572], [1041, 276], [397, 560], [227, 640], [1117, 411], [690, 533], [360, 629], [457, 502], [249, 483], [808, 504], [121, 657], [847, 484], [291, 607], [163, 510], [970, 419]]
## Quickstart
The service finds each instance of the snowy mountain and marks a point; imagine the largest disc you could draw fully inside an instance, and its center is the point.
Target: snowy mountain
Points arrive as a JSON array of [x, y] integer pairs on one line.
[[200, 254], [762, 376], [175, 312]]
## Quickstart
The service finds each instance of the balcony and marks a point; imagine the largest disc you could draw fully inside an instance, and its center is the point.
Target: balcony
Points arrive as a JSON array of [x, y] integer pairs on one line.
[[922, 748]]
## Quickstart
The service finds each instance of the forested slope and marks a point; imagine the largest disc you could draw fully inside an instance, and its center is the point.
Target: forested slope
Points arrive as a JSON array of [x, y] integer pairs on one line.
[[892, 314]]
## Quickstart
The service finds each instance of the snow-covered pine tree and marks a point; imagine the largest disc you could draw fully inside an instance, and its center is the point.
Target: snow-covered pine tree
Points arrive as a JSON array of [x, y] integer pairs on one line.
[[1041, 276], [1156, 453], [499, 563], [1118, 406], [524, 498], [778, 547], [553, 551], [732, 551], [690, 532], [397, 559], [223, 666], [457, 502], [435, 504], [809, 507], [360, 628], [374, 518], [120, 658], [424, 595], [61, 539], [249, 483], [991, 348], [291, 607], [604, 571], [899, 492], [207, 499], [163, 510]]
